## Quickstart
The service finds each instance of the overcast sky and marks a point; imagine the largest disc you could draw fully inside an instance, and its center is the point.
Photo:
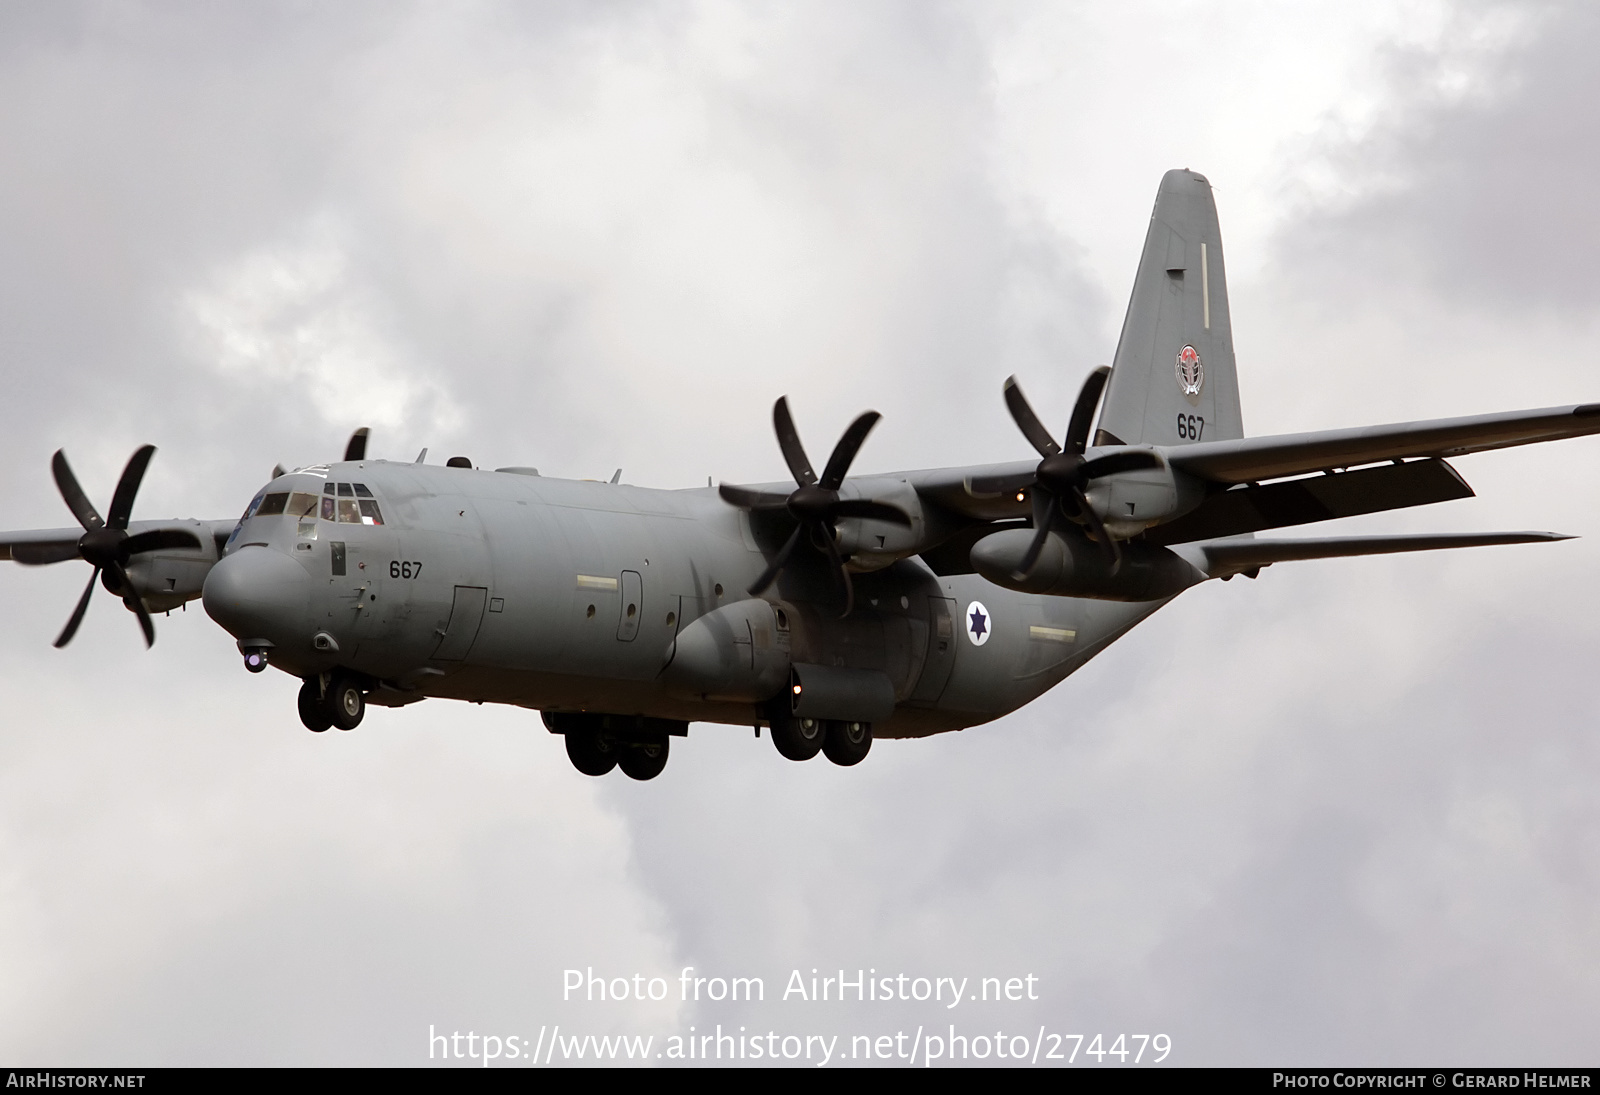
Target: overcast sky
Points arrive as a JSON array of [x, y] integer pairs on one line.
[[1344, 814]]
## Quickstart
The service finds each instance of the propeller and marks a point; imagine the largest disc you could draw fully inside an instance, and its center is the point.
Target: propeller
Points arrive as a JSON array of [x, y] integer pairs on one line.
[[105, 543], [1059, 482], [815, 503], [354, 449]]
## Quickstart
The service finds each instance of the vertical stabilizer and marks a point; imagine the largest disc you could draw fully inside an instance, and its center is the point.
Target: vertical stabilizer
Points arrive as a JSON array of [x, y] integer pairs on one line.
[[1173, 380]]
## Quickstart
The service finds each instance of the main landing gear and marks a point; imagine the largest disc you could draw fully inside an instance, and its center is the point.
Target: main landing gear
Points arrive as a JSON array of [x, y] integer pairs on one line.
[[336, 700], [598, 743], [841, 741]]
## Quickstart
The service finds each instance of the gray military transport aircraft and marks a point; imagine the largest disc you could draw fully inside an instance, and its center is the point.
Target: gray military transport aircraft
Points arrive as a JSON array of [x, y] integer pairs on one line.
[[834, 610]]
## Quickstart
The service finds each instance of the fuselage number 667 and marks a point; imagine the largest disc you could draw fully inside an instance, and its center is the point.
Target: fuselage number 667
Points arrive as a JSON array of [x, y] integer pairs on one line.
[[398, 569]]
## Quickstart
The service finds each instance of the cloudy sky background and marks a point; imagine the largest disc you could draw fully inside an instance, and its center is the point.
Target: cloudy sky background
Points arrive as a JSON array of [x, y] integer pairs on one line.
[[1343, 814]]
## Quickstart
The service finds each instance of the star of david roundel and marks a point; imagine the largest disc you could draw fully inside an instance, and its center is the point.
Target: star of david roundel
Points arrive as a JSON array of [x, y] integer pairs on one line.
[[1191, 374], [979, 624]]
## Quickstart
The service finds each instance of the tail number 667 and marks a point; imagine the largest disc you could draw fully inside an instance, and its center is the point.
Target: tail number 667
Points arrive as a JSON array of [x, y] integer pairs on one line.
[[398, 569]]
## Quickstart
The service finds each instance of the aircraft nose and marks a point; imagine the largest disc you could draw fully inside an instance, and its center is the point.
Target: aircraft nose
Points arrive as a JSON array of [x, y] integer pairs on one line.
[[259, 593]]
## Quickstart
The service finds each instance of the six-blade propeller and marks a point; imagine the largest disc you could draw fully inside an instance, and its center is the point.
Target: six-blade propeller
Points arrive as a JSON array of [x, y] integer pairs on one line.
[[815, 504], [1058, 484], [105, 543]]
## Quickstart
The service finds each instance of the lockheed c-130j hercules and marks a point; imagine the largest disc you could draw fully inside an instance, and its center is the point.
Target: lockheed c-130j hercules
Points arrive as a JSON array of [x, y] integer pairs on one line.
[[832, 610]]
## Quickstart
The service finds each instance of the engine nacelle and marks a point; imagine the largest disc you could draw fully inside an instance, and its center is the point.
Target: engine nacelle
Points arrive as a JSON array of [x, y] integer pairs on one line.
[[872, 544], [166, 578], [1072, 566], [1131, 501], [739, 652]]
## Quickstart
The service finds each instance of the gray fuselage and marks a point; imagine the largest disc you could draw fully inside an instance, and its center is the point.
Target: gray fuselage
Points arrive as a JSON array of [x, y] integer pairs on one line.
[[564, 595]]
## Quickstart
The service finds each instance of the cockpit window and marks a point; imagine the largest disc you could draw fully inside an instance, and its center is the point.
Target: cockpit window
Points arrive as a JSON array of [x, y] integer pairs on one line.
[[295, 504], [350, 504]]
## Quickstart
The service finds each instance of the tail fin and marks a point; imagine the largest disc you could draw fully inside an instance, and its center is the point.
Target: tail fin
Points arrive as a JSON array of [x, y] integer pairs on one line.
[[1173, 379]]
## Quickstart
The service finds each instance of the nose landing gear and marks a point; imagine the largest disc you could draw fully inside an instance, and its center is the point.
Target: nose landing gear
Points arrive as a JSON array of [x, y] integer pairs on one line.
[[336, 700]]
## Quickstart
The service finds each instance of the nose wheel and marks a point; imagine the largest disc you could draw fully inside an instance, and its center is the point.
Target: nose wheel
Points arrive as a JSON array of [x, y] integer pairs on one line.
[[340, 703]]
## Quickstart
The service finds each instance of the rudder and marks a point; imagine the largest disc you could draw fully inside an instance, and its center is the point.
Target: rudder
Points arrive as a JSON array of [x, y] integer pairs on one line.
[[1173, 379]]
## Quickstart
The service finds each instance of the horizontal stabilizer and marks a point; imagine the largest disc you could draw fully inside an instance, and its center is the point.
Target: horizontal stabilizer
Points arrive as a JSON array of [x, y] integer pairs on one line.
[[1273, 457], [1225, 558]]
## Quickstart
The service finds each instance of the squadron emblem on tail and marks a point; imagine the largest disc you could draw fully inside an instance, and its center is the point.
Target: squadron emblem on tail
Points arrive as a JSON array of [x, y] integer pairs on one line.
[[1191, 374]]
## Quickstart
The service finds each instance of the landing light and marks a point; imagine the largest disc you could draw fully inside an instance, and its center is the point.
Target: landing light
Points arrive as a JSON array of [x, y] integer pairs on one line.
[[1021, 495]]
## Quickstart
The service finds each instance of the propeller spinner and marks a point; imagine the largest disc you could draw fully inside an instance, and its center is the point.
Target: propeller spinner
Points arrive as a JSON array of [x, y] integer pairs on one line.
[[815, 503]]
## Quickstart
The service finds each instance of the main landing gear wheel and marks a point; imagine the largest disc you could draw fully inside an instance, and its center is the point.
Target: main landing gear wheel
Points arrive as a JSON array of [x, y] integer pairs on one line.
[[594, 755], [847, 742], [797, 738], [313, 712], [642, 761], [345, 702]]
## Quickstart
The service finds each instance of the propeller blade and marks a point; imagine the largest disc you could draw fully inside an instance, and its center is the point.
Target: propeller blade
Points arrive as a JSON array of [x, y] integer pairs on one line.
[[1113, 462], [838, 568], [794, 453], [844, 453], [1028, 422], [1083, 410], [161, 539], [1000, 484], [77, 614], [72, 494], [128, 486], [745, 498], [777, 563], [1108, 546], [865, 507], [1043, 517], [37, 555], [356, 449], [131, 599]]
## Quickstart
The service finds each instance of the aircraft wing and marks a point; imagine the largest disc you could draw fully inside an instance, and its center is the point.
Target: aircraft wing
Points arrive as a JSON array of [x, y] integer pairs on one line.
[[1225, 558], [1256, 458], [35, 547], [45, 545]]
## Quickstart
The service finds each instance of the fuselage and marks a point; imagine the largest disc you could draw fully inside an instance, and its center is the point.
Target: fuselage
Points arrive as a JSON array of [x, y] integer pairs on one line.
[[564, 595]]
